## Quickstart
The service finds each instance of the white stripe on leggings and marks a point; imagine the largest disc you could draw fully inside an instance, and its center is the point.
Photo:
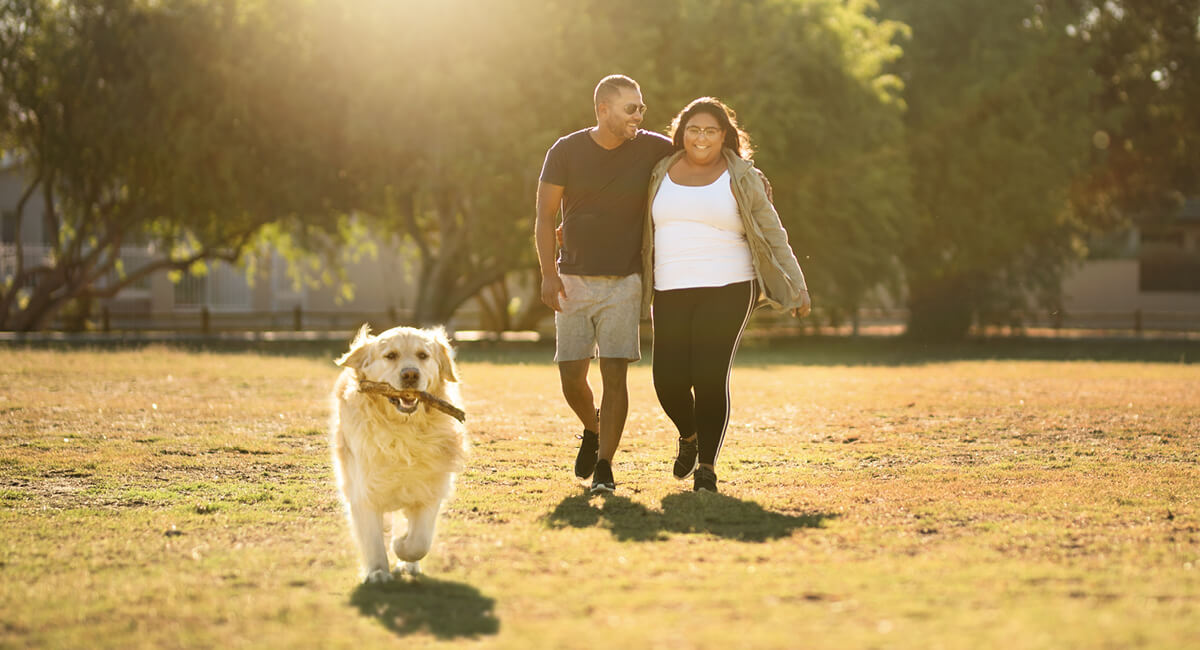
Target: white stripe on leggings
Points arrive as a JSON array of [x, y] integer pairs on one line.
[[729, 368]]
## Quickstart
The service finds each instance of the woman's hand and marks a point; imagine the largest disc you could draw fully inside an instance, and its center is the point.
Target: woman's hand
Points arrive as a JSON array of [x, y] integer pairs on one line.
[[805, 306]]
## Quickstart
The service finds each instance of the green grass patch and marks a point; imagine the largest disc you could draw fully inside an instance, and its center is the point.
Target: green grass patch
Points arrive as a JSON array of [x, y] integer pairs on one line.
[[979, 496]]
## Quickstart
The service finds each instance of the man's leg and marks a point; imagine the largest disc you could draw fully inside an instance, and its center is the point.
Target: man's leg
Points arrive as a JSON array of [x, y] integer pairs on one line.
[[574, 347], [617, 343], [575, 387], [614, 405]]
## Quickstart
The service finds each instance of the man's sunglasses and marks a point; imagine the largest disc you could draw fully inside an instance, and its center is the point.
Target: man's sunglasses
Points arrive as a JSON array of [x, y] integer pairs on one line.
[[630, 109]]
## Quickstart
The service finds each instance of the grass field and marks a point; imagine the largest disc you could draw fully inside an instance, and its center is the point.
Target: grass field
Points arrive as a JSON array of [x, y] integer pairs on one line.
[[164, 498]]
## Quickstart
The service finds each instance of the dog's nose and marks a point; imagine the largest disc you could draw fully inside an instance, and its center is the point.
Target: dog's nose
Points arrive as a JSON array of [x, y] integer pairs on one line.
[[409, 376]]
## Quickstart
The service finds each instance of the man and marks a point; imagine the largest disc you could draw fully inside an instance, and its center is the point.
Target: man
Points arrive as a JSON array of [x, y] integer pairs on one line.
[[599, 177]]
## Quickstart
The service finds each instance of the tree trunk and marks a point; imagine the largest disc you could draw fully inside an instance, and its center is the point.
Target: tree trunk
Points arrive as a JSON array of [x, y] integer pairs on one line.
[[43, 304], [493, 307], [939, 310], [436, 285]]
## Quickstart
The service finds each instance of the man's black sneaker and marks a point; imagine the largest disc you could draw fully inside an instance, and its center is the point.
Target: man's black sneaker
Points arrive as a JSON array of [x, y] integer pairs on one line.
[[706, 479], [602, 480], [585, 460], [686, 458]]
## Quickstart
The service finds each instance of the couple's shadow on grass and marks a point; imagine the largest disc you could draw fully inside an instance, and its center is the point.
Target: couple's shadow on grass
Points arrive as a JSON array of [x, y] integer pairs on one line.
[[716, 514], [444, 609]]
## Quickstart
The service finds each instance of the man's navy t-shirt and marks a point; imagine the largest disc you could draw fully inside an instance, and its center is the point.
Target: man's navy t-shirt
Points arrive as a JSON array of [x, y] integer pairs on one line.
[[604, 200]]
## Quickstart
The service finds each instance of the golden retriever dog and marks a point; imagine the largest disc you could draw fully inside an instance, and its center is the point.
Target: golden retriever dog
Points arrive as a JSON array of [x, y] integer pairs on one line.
[[394, 454]]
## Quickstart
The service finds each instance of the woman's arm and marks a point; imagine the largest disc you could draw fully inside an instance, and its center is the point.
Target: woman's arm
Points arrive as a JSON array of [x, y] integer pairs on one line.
[[764, 214]]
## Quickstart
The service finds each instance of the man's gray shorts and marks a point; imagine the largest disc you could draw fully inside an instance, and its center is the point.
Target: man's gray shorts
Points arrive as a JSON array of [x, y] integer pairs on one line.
[[599, 317]]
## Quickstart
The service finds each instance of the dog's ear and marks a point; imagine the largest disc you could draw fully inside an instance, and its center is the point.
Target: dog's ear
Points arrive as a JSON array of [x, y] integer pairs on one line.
[[358, 350], [445, 355]]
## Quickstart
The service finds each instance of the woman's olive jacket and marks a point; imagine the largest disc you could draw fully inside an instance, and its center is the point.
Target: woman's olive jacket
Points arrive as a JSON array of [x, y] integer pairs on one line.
[[775, 266]]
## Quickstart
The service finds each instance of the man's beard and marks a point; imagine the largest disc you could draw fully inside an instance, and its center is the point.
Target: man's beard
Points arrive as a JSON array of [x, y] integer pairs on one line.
[[620, 130]]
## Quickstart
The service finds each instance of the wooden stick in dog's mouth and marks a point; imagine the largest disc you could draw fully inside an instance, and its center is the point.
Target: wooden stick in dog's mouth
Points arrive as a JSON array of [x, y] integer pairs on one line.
[[386, 390]]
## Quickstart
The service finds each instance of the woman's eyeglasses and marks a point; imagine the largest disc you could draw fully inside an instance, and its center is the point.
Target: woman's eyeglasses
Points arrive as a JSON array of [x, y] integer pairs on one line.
[[709, 132]]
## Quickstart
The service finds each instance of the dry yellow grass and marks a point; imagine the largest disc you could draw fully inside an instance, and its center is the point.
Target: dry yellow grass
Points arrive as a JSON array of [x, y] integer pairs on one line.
[[162, 498]]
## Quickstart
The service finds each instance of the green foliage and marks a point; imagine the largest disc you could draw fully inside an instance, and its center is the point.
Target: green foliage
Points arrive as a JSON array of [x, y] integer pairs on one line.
[[467, 129], [975, 162], [179, 124], [430, 120], [441, 136], [1030, 125], [998, 129], [809, 83], [828, 123], [810, 88], [1146, 57]]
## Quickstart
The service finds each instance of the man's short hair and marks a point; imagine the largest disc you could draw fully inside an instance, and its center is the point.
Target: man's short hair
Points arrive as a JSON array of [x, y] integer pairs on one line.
[[610, 86]]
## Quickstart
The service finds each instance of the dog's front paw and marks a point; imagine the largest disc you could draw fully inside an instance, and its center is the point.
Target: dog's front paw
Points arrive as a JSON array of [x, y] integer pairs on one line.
[[378, 576], [411, 547], [409, 568]]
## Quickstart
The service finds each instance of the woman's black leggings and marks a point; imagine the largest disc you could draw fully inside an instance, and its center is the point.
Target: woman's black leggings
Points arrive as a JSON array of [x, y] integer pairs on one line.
[[696, 334]]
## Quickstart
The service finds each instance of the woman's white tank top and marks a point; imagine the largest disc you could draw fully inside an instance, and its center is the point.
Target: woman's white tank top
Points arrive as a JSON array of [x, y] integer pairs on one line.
[[699, 239]]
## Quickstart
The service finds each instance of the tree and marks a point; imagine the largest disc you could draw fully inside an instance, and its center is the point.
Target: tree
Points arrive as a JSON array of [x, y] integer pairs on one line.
[[832, 140], [1146, 58], [440, 145], [808, 79], [999, 128], [166, 126], [448, 152], [192, 125]]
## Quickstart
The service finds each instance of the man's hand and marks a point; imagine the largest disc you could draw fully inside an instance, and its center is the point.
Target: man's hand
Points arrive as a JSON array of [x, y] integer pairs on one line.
[[805, 306], [552, 288]]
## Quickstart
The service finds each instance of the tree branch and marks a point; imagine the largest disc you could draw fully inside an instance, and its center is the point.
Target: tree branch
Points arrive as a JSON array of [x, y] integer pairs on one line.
[[50, 217], [144, 271], [469, 288]]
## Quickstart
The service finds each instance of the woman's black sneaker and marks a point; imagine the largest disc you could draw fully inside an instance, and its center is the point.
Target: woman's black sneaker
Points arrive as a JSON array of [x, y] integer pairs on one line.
[[706, 479], [686, 458], [585, 460], [602, 480]]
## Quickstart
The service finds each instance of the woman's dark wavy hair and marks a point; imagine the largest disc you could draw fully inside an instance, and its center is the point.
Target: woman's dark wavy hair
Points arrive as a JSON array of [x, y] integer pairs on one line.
[[736, 140]]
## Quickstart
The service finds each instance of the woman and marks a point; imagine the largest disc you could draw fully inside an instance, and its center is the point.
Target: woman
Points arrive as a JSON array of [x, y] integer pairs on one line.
[[712, 243]]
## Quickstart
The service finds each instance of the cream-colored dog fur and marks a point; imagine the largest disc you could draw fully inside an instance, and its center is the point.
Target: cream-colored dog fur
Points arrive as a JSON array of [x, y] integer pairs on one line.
[[392, 455]]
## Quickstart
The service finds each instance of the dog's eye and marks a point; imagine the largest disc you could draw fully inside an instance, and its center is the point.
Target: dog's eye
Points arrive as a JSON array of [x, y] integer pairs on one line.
[[392, 356], [422, 355]]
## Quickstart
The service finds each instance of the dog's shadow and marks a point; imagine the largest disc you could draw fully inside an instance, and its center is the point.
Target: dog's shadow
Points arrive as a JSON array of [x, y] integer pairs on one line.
[[445, 609], [715, 514]]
